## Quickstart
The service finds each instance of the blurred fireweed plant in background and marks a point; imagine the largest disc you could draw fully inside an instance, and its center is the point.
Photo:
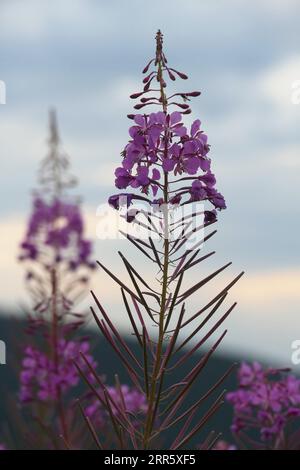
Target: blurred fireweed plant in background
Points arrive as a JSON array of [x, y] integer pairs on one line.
[[58, 265], [266, 409], [170, 166]]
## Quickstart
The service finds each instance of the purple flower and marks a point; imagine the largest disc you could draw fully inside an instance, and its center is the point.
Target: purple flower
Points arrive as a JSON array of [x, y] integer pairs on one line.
[[217, 199], [148, 127], [208, 179], [118, 200], [266, 398], [141, 178], [123, 201], [197, 191], [123, 178], [42, 380], [30, 250], [210, 216], [84, 250], [135, 403], [223, 445], [56, 230]]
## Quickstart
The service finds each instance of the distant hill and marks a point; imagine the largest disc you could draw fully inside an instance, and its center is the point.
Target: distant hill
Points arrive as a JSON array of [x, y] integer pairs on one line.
[[11, 331]]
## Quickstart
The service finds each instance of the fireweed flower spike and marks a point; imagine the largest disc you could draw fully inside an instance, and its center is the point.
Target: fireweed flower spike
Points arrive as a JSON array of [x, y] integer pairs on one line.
[[165, 166], [58, 264], [55, 232], [162, 147]]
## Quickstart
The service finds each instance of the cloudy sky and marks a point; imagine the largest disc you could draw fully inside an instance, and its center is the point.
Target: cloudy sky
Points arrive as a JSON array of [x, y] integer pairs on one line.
[[85, 57]]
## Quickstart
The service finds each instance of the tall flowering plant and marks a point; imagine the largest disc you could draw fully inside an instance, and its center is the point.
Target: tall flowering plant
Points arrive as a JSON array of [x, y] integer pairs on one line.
[[166, 171], [58, 264]]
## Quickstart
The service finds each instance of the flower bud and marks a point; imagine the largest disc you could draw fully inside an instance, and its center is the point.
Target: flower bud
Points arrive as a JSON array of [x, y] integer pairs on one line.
[[147, 66], [136, 95]]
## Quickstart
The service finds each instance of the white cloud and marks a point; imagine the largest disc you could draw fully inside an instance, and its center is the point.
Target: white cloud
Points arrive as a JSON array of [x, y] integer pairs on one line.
[[250, 114], [287, 159], [277, 82], [22, 140], [33, 20], [11, 288]]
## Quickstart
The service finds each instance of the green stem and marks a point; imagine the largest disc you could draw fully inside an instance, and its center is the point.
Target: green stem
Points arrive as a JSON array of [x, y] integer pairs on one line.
[[150, 418], [54, 344], [151, 413]]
